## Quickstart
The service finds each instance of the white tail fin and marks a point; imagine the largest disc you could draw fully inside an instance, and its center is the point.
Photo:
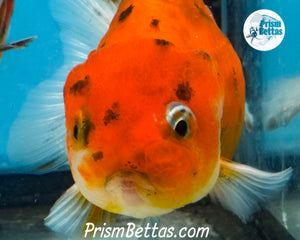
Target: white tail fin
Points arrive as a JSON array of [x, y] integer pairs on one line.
[[37, 137]]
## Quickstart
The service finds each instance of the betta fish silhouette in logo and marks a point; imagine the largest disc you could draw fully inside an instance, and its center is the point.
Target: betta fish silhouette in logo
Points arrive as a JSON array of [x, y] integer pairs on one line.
[[264, 30]]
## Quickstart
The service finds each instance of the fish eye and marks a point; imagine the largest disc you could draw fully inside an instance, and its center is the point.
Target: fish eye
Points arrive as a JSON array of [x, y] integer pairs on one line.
[[181, 119], [75, 131]]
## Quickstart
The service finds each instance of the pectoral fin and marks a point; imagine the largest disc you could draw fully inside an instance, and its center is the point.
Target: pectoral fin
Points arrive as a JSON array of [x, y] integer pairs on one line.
[[241, 189]]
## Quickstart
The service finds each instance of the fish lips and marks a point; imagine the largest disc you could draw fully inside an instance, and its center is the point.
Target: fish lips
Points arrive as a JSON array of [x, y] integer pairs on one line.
[[129, 187]]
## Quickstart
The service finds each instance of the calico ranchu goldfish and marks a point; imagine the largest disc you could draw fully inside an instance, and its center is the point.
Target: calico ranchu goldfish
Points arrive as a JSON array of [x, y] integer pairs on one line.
[[152, 111]]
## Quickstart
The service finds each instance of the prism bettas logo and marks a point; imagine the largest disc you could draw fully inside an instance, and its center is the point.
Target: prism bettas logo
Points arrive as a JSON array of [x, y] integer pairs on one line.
[[264, 30]]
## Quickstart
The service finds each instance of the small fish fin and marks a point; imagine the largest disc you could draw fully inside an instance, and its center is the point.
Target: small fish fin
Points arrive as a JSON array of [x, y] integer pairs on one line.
[[241, 189], [17, 44], [72, 211], [83, 24], [36, 141]]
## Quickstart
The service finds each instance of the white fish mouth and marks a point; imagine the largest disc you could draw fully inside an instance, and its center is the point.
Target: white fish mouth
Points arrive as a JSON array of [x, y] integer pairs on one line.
[[129, 187]]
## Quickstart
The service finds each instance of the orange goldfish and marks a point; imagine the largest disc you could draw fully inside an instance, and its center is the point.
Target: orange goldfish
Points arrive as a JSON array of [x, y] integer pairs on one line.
[[152, 115], [6, 10]]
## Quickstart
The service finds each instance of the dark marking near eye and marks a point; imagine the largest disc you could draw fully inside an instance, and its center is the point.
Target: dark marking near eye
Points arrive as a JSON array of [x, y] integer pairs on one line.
[[80, 87], [162, 42], [111, 114], [97, 156], [102, 45], [125, 13], [184, 91], [154, 23]]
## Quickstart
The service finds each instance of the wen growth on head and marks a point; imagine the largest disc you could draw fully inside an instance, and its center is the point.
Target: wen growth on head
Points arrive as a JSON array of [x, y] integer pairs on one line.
[[153, 109]]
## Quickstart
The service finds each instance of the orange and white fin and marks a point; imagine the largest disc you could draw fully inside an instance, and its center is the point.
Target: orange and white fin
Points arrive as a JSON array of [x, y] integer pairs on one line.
[[37, 137], [72, 211], [242, 189]]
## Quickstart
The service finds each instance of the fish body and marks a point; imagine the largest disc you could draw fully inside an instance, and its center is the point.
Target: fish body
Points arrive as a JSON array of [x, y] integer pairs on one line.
[[125, 156], [153, 112]]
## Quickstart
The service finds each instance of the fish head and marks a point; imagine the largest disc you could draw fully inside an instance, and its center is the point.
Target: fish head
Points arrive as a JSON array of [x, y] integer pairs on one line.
[[143, 126]]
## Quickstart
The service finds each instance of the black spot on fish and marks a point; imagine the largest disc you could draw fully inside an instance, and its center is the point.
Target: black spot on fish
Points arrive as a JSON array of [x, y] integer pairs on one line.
[[154, 23], [125, 13], [97, 156], [102, 45], [80, 87], [184, 91], [111, 114], [162, 42], [204, 55], [194, 174]]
